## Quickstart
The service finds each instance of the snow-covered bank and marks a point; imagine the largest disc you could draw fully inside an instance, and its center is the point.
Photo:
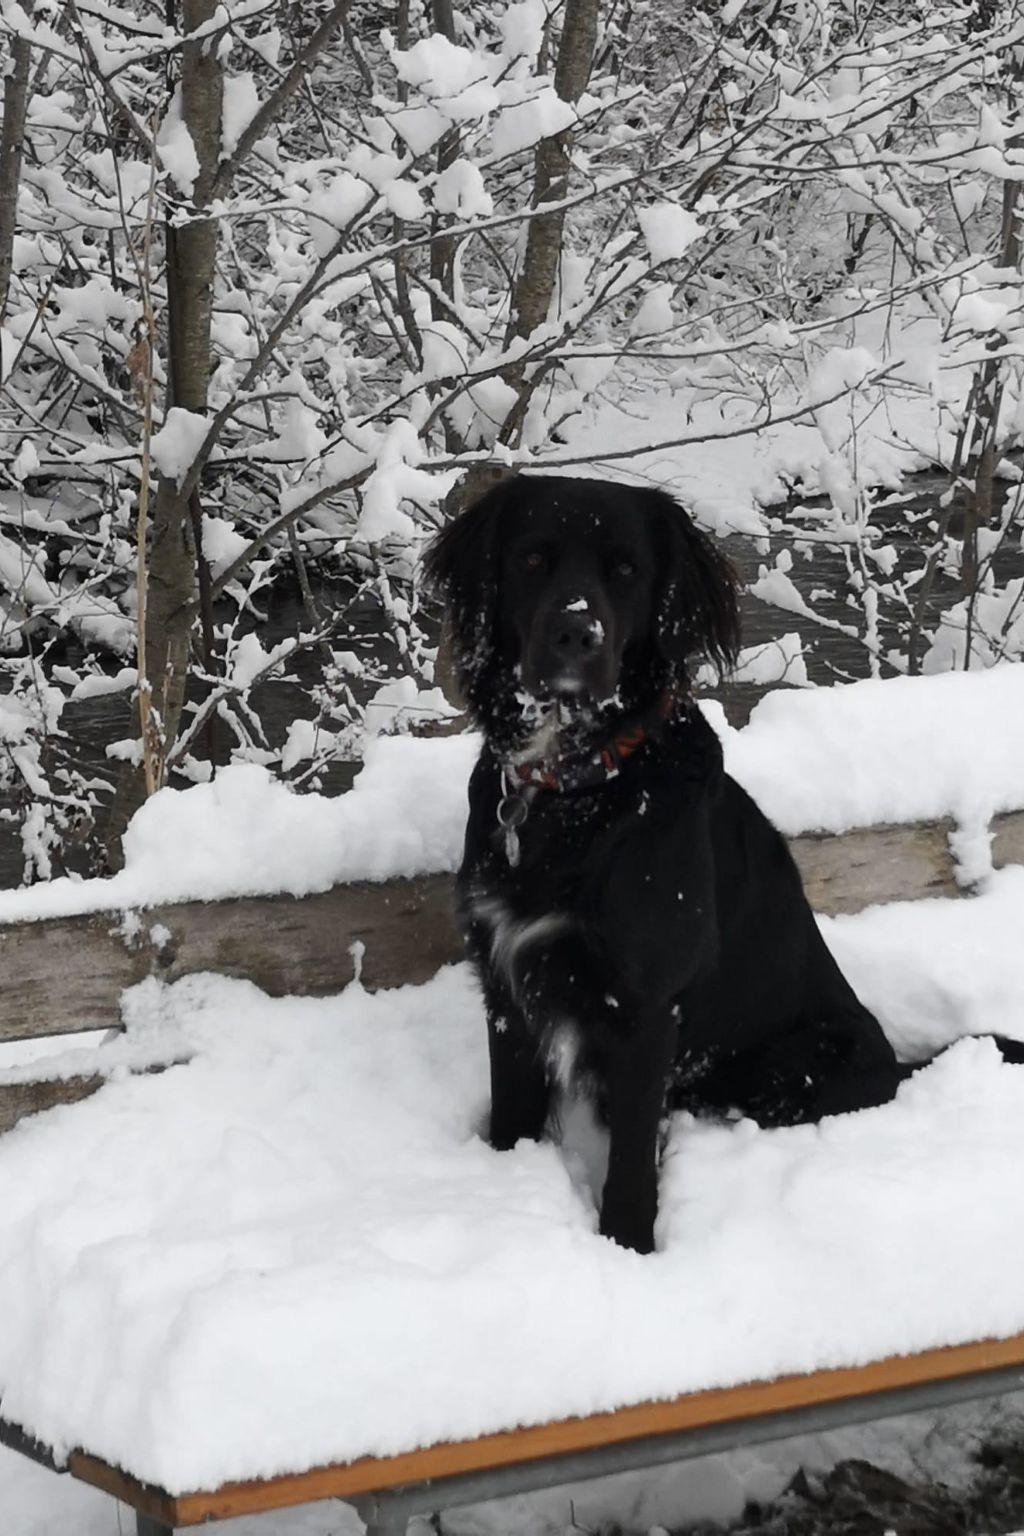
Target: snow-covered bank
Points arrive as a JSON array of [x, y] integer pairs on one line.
[[296, 1248], [906, 749], [825, 759]]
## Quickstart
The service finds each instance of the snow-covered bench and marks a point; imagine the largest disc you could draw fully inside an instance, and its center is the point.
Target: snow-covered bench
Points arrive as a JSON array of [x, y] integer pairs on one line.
[[389, 1491], [70, 948]]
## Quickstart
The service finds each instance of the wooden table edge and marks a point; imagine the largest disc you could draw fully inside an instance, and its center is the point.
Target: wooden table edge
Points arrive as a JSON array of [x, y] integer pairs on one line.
[[717, 1405]]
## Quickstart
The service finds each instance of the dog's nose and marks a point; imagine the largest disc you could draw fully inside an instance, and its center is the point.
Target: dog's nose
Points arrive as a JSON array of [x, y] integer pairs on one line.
[[575, 636]]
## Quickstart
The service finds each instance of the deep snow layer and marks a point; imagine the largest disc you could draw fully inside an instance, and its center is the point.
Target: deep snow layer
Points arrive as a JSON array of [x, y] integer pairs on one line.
[[825, 759], [296, 1248]]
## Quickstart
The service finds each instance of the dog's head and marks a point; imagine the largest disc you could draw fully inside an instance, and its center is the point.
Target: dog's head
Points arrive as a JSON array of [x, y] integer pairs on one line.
[[582, 591]]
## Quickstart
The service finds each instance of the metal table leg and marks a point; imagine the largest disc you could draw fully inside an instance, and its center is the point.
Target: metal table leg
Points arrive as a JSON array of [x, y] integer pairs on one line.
[[145, 1525]]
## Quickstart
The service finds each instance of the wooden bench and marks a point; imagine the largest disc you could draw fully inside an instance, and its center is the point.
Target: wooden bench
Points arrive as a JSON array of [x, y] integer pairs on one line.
[[389, 1491], [62, 976]]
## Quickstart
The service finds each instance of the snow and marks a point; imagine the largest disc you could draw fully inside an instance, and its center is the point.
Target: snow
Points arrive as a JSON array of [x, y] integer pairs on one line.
[[248, 660], [240, 105], [669, 230], [780, 660], [906, 749], [98, 684], [839, 368], [730, 466], [25, 461], [245, 833], [445, 350], [331, 207], [778, 588], [398, 477], [401, 703], [404, 201], [521, 124], [438, 64], [655, 314], [300, 744], [178, 441], [453, 78], [999, 615], [175, 147], [420, 127], [522, 29], [222, 543], [911, 965], [459, 189], [306, 1221]]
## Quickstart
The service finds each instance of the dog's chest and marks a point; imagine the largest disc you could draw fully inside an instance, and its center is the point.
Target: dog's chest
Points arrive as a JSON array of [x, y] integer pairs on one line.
[[545, 866], [543, 884], [521, 895]]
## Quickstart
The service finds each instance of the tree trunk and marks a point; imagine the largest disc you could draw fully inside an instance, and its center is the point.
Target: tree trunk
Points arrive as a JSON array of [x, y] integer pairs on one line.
[[12, 139], [191, 265], [535, 287]]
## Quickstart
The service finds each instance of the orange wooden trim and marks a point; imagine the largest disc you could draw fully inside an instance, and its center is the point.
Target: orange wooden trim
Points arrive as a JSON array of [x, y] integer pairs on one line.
[[695, 1410]]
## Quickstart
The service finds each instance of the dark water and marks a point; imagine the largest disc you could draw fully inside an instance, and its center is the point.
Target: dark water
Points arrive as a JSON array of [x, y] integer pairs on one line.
[[903, 523], [830, 655]]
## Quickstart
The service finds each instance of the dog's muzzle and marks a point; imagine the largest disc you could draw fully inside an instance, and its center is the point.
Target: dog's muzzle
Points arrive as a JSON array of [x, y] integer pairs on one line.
[[571, 654]]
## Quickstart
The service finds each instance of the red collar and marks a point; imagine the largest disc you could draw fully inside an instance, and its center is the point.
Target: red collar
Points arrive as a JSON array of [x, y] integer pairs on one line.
[[586, 770]]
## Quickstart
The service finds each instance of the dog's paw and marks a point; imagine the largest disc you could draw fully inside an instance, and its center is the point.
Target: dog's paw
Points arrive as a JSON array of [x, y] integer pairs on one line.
[[504, 1134], [629, 1228]]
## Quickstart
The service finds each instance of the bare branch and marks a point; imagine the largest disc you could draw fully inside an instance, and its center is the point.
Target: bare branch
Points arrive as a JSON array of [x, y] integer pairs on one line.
[[269, 110]]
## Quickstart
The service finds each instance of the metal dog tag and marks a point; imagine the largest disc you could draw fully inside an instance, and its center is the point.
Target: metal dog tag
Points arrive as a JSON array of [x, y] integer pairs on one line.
[[512, 812]]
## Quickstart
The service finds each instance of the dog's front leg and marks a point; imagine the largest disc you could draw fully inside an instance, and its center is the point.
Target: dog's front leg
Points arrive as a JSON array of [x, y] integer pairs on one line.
[[636, 1078], [520, 1094]]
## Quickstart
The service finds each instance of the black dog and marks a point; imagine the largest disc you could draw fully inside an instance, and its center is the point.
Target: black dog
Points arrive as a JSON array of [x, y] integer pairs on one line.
[[638, 925]]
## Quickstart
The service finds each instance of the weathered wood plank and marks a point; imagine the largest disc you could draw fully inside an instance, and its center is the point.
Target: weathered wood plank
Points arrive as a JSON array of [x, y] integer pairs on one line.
[[63, 975], [875, 864], [60, 976], [1008, 838], [20, 1099], [406, 927]]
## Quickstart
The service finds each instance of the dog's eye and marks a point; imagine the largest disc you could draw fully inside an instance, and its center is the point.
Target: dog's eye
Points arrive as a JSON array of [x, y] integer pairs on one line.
[[533, 559]]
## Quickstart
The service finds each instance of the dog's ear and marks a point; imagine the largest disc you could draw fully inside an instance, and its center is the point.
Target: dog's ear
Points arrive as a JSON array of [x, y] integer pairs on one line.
[[697, 607], [460, 566]]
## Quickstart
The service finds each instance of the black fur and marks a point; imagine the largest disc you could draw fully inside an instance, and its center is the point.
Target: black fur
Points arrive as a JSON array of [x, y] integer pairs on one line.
[[658, 917]]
